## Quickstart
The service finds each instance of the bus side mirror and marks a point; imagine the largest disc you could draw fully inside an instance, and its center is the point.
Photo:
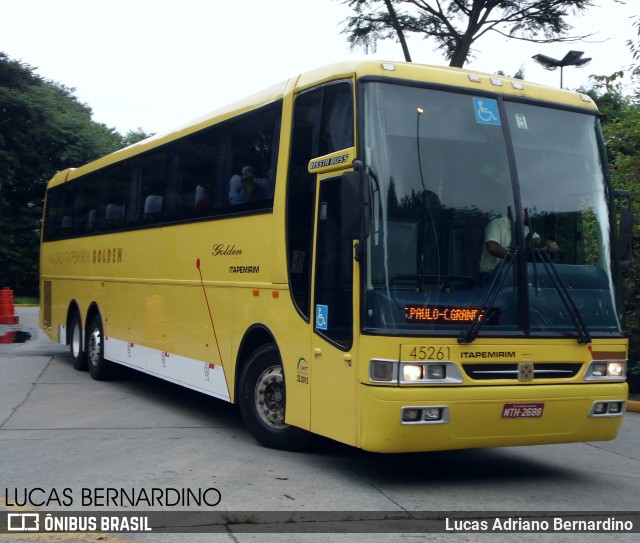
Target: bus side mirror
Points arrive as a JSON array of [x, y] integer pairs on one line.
[[355, 204], [625, 229]]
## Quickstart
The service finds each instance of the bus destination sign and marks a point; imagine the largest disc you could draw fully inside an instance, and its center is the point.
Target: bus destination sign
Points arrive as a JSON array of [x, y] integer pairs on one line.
[[440, 314]]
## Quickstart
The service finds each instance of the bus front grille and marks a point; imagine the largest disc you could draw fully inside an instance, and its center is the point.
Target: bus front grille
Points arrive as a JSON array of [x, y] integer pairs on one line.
[[552, 370]]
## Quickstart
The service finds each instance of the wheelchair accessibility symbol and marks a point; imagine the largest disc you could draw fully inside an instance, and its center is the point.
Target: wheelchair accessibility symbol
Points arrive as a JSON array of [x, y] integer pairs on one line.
[[322, 317], [486, 111]]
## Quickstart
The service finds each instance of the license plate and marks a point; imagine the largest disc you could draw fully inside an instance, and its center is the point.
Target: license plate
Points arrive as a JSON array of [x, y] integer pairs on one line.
[[522, 410]]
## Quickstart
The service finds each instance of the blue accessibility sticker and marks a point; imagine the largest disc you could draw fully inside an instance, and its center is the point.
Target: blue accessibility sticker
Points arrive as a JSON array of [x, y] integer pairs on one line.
[[322, 317], [486, 111]]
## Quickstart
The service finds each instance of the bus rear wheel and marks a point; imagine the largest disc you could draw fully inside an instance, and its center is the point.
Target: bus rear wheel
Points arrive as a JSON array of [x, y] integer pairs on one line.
[[99, 368], [76, 347], [263, 402]]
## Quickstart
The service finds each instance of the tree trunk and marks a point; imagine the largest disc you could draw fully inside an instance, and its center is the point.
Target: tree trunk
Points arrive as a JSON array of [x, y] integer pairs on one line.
[[398, 29], [461, 52]]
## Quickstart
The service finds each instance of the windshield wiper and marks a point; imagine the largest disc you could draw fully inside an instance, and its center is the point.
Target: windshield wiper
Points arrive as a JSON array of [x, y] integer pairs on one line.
[[482, 315], [578, 321]]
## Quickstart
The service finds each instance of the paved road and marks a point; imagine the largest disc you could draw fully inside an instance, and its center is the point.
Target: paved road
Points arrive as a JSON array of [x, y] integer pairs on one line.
[[60, 429]]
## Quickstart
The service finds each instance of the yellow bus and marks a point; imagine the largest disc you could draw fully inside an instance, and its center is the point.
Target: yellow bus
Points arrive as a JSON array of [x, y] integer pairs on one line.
[[395, 256]]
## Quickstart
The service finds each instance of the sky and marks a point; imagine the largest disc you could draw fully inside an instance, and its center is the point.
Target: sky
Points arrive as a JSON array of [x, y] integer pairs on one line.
[[157, 64]]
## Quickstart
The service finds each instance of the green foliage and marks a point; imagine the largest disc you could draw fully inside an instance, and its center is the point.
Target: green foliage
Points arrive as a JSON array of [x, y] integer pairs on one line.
[[518, 75], [43, 129], [134, 136], [621, 129], [26, 300], [634, 46], [456, 24]]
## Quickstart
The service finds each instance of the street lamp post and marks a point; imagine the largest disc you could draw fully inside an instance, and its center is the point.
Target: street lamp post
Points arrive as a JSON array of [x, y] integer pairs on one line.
[[572, 58]]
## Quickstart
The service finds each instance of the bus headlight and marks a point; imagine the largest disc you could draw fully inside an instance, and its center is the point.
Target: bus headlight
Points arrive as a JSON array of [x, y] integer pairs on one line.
[[600, 408], [432, 413], [425, 415], [614, 408], [606, 370], [436, 371], [430, 373], [383, 371], [412, 372], [616, 369]]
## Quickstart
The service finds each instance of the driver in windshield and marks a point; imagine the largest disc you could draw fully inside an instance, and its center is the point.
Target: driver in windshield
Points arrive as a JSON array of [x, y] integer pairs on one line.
[[497, 239]]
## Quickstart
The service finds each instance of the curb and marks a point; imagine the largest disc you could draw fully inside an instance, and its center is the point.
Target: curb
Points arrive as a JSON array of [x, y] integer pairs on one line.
[[633, 405]]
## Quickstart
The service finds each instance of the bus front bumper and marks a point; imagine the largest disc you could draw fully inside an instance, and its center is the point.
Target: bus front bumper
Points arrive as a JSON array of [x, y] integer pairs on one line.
[[487, 416]]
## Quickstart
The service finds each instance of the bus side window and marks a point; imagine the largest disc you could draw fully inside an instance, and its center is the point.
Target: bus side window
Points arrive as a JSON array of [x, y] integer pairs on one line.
[[83, 200], [191, 177], [153, 206], [156, 197], [91, 220], [248, 159], [59, 210], [114, 213], [114, 187], [336, 129]]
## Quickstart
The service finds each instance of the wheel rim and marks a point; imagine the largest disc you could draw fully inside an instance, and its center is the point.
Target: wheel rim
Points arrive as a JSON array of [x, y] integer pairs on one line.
[[76, 344], [94, 346], [269, 397]]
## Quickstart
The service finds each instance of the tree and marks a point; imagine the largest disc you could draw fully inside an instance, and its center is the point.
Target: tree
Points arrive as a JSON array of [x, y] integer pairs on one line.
[[518, 75], [43, 129], [134, 136], [634, 46], [622, 137], [456, 24], [620, 117]]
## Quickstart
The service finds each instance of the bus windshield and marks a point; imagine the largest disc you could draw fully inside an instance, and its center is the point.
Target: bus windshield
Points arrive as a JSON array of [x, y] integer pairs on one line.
[[451, 172]]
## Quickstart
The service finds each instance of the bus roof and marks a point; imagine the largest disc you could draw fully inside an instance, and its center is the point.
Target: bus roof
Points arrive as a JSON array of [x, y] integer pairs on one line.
[[448, 76], [441, 76]]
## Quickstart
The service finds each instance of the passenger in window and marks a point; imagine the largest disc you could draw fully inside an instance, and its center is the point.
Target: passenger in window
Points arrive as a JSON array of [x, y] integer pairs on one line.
[[246, 187], [497, 240]]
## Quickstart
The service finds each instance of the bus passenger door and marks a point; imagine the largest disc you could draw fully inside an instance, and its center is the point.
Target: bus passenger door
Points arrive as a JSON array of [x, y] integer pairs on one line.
[[333, 357]]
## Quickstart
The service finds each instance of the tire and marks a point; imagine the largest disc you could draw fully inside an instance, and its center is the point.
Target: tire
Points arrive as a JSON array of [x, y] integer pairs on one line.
[[76, 345], [99, 368], [263, 400]]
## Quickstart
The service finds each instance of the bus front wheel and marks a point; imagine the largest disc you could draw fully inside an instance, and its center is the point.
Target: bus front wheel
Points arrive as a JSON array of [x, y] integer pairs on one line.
[[99, 368], [263, 401]]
